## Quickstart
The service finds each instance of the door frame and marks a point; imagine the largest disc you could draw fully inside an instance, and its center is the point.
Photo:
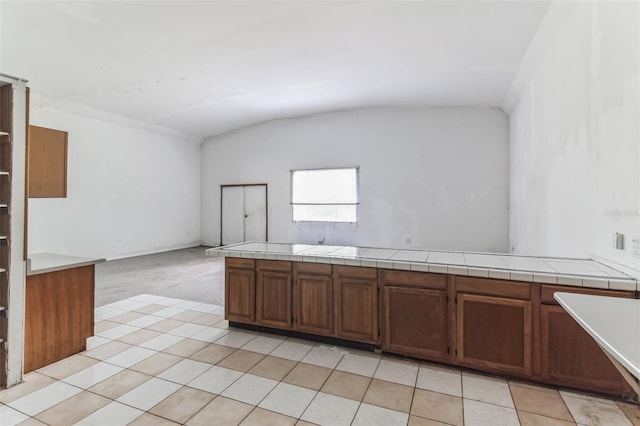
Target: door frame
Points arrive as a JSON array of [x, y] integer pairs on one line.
[[266, 203]]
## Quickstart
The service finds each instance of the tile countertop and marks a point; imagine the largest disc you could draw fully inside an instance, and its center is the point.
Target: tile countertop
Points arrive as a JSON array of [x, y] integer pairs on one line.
[[41, 263], [614, 323], [547, 270]]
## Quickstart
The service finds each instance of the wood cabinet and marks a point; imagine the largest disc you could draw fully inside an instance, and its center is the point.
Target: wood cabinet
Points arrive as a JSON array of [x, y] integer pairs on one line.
[[240, 290], [58, 315], [569, 354], [416, 314], [47, 163], [356, 304], [273, 297], [497, 326], [313, 298], [494, 328]]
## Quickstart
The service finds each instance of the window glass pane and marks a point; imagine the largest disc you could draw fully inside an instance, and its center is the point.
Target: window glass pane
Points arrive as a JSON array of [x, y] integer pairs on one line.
[[324, 213], [324, 186]]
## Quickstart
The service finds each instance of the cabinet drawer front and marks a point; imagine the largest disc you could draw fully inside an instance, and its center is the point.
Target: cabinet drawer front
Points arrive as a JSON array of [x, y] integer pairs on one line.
[[273, 265], [357, 272], [495, 333], [511, 289], [312, 268], [414, 279], [548, 291], [236, 262]]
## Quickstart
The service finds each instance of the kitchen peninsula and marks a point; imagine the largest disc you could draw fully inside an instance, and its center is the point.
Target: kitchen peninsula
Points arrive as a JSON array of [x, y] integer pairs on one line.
[[490, 312], [59, 307]]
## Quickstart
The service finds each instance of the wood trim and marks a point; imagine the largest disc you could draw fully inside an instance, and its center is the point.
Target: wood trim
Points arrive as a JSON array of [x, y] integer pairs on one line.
[[547, 292], [274, 265], [356, 272], [414, 279], [453, 320], [25, 252], [500, 288], [313, 268], [535, 303], [237, 262]]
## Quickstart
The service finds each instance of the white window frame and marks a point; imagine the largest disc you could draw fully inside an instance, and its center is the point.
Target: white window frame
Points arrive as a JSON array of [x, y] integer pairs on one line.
[[356, 203]]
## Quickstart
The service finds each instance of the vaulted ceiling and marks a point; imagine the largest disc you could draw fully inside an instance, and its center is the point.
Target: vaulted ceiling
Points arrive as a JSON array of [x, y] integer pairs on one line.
[[206, 67]]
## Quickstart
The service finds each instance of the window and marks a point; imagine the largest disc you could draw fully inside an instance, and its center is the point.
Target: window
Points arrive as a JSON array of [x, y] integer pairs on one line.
[[325, 195]]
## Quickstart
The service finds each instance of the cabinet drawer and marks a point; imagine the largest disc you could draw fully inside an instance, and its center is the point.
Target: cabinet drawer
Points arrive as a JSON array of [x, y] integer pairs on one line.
[[236, 262], [313, 268], [273, 265], [548, 290], [511, 289], [357, 272], [414, 279]]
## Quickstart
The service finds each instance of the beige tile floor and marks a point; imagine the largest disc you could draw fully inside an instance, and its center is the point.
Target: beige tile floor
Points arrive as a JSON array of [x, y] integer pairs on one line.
[[164, 361]]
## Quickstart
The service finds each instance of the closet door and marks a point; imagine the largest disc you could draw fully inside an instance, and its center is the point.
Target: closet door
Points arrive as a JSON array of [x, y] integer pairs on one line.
[[244, 213]]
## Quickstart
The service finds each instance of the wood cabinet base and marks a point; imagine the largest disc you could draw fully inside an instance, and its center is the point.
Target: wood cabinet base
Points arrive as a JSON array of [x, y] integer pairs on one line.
[[58, 315]]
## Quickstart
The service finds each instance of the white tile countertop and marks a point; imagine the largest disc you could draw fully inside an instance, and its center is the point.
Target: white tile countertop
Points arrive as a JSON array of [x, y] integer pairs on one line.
[[614, 323], [548, 270], [41, 263]]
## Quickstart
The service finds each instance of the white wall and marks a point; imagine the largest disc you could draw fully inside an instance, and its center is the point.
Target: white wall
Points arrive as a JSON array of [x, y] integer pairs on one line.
[[436, 176], [575, 135], [131, 189]]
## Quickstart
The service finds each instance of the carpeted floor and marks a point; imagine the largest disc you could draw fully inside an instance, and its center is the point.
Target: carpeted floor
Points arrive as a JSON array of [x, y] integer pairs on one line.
[[183, 274]]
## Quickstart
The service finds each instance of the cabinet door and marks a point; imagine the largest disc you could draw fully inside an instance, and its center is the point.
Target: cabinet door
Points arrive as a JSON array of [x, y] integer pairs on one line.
[[273, 299], [357, 309], [494, 333], [313, 304], [240, 295], [571, 357], [415, 322]]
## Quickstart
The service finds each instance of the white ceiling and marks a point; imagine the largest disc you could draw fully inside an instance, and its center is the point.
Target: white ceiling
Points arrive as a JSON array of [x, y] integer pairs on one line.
[[206, 67]]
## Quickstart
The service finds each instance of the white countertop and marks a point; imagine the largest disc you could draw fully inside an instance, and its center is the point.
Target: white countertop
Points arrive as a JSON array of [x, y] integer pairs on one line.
[[562, 271], [40, 263], [613, 322]]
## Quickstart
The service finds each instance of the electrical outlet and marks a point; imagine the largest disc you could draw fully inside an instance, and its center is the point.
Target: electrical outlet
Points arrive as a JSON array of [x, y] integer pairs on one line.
[[636, 247]]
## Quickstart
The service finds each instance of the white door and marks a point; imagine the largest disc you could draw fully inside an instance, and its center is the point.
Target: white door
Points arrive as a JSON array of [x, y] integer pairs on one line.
[[244, 214]]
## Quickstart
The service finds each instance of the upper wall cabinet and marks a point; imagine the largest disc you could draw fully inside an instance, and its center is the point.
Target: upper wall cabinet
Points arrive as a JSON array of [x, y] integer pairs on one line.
[[47, 163]]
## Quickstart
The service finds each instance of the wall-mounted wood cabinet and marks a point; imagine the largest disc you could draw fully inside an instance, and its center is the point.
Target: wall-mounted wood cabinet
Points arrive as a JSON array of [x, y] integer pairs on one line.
[[47, 163]]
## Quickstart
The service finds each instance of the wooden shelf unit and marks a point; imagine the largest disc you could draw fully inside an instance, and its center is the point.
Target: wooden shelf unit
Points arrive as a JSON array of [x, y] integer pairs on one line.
[[14, 101]]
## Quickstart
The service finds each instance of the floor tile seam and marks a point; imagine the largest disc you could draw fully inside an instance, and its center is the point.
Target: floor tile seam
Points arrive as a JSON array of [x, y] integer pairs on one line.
[[441, 421], [526, 411], [490, 403], [157, 376], [305, 408], [55, 405], [573, 420], [169, 396]]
